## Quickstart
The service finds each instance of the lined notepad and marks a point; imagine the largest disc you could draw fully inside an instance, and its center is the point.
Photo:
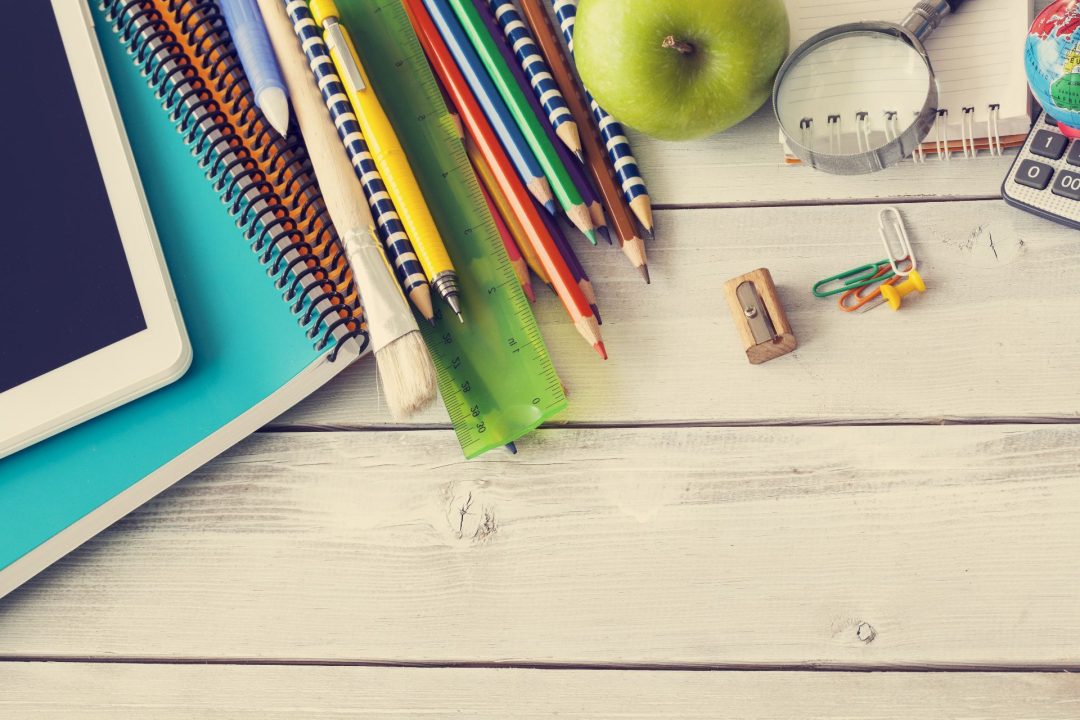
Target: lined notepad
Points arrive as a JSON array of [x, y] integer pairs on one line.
[[977, 56]]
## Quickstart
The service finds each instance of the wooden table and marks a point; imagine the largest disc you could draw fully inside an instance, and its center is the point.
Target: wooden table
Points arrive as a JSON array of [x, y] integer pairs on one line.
[[695, 537]]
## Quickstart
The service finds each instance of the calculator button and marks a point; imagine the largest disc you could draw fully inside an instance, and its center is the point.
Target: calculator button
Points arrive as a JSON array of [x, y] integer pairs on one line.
[[1034, 174], [1049, 145], [1074, 154], [1068, 185]]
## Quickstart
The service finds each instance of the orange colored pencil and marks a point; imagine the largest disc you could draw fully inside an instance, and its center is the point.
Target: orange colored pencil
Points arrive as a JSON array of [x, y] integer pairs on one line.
[[521, 239], [566, 287], [521, 268], [602, 173]]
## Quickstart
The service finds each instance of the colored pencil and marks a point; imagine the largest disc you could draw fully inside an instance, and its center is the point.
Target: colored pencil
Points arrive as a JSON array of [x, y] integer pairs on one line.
[[574, 168], [248, 32], [521, 268], [487, 178], [391, 230], [618, 147], [602, 174], [442, 61], [571, 258], [470, 25], [541, 85], [486, 95], [388, 154]]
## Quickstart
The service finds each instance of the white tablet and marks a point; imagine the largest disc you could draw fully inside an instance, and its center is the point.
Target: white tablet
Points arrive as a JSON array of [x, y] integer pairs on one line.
[[88, 319]]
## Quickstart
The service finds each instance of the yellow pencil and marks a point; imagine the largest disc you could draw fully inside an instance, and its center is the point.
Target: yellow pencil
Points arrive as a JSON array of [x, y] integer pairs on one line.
[[389, 156]]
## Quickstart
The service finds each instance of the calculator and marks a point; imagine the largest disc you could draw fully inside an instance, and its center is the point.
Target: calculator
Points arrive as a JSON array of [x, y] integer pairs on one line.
[[1045, 178]]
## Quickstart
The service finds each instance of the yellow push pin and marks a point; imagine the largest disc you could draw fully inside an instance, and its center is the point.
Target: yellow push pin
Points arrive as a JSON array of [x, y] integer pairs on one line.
[[893, 293]]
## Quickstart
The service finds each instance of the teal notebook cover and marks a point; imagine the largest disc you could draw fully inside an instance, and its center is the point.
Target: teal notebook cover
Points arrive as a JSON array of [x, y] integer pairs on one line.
[[246, 342]]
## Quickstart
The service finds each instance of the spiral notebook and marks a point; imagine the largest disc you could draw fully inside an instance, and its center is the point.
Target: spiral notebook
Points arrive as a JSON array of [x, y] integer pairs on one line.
[[267, 297], [977, 55]]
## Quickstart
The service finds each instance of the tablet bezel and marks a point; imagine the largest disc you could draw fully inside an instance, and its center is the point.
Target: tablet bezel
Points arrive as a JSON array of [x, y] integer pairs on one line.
[[142, 362]]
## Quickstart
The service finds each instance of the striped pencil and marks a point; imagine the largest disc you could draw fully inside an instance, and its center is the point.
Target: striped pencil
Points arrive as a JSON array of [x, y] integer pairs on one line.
[[442, 61], [487, 178], [618, 147], [575, 169], [487, 96], [521, 268], [542, 85], [602, 174], [399, 249], [469, 26]]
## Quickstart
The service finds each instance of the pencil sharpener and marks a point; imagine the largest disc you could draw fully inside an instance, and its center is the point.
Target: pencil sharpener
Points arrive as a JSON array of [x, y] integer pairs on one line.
[[760, 318]]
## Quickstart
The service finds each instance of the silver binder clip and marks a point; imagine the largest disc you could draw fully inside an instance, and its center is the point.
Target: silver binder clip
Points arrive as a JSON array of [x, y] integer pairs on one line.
[[993, 131], [967, 132], [897, 244], [941, 135]]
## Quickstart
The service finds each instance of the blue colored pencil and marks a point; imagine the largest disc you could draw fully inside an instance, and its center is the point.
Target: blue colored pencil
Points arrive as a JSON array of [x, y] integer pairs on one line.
[[541, 82], [248, 32], [618, 146], [526, 164], [399, 248]]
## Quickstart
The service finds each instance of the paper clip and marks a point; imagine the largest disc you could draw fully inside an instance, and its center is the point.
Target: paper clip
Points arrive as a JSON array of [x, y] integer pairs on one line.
[[891, 223], [852, 279], [858, 298]]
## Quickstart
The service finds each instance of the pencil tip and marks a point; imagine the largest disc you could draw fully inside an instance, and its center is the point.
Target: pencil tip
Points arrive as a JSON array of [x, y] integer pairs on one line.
[[275, 108], [551, 207], [529, 292], [455, 305], [591, 234], [431, 321], [580, 156], [599, 347], [604, 233], [644, 270], [511, 448], [596, 312]]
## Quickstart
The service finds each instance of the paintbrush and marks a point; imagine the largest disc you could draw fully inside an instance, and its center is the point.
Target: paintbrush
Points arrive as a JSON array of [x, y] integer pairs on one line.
[[406, 371]]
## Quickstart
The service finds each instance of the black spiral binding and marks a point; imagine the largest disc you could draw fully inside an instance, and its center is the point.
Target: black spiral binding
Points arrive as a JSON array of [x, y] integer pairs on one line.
[[265, 181]]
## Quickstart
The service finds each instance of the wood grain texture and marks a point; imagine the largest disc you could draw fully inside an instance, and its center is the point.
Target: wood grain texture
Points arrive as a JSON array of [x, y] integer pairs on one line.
[[994, 337], [862, 547], [187, 692]]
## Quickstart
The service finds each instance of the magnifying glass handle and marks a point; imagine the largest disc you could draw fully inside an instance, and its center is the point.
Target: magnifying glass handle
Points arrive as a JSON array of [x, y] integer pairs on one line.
[[925, 17]]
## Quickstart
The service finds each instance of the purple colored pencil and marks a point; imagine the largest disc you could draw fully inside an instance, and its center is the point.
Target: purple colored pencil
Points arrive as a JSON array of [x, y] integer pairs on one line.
[[572, 261], [574, 168]]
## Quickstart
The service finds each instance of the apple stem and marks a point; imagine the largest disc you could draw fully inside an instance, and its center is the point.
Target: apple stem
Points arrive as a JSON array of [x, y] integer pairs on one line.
[[682, 46]]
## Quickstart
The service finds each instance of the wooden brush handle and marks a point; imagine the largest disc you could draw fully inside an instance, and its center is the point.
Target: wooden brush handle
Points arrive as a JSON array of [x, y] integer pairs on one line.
[[342, 191]]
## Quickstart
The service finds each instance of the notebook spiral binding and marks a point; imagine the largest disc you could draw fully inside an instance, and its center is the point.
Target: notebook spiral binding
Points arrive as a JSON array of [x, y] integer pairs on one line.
[[942, 145], [184, 50]]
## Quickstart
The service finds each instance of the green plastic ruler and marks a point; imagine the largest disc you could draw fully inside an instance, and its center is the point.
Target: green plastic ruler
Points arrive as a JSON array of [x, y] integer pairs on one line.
[[495, 375]]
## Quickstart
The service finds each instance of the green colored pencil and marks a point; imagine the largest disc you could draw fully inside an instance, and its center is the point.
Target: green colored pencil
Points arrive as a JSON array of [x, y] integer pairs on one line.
[[529, 124]]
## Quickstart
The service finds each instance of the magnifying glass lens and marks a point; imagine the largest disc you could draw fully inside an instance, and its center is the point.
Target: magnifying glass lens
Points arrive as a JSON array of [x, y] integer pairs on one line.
[[853, 93]]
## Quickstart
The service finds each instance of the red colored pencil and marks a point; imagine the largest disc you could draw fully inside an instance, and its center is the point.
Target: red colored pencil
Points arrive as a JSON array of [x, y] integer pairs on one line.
[[521, 268], [566, 287]]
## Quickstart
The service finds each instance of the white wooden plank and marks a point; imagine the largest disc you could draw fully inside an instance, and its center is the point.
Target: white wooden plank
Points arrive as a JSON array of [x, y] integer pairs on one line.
[[866, 547], [995, 336], [160, 692]]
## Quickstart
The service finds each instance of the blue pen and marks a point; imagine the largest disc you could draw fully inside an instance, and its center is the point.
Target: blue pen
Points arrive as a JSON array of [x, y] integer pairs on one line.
[[248, 32], [488, 96]]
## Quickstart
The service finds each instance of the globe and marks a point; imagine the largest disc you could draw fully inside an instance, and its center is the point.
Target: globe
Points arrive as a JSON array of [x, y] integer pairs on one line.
[[1052, 57]]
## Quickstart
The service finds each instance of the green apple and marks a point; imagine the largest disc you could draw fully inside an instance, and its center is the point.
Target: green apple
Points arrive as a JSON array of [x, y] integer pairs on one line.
[[680, 69]]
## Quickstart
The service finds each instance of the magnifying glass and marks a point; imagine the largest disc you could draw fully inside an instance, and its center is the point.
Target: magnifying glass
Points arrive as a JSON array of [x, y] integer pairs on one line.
[[861, 97]]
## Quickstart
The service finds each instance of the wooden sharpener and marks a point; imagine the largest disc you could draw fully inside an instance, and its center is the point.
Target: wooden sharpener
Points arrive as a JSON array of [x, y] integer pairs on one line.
[[759, 316]]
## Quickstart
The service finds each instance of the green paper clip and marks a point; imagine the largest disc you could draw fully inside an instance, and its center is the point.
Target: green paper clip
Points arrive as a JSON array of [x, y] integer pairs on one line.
[[853, 279]]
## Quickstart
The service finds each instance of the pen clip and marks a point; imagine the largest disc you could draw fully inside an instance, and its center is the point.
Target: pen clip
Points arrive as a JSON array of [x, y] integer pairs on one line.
[[339, 44]]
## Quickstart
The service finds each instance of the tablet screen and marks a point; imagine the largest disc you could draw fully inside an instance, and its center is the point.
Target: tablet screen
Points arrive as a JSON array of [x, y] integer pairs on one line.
[[65, 287]]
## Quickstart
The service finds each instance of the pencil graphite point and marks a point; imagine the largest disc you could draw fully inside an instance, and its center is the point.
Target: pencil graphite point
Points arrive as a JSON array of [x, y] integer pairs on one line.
[[596, 312], [511, 448], [604, 233], [551, 207], [275, 107], [591, 234], [644, 270], [599, 347], [455, 305], [529, 292], [580, 156]]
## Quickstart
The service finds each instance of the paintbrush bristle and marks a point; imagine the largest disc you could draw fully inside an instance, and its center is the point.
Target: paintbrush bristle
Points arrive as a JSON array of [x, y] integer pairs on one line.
[[407, 375]]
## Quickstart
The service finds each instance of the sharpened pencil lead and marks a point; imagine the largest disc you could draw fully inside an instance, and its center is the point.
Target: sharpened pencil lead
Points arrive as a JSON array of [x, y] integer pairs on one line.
[[511, 448], [591, 234], [605, 233], [529, 292], [599, 347], [644, 270], [551, 207], [596, 312], [580, 156]]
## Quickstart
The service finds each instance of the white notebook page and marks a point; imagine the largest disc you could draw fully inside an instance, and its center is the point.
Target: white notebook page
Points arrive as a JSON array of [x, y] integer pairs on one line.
[[977, 54]]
